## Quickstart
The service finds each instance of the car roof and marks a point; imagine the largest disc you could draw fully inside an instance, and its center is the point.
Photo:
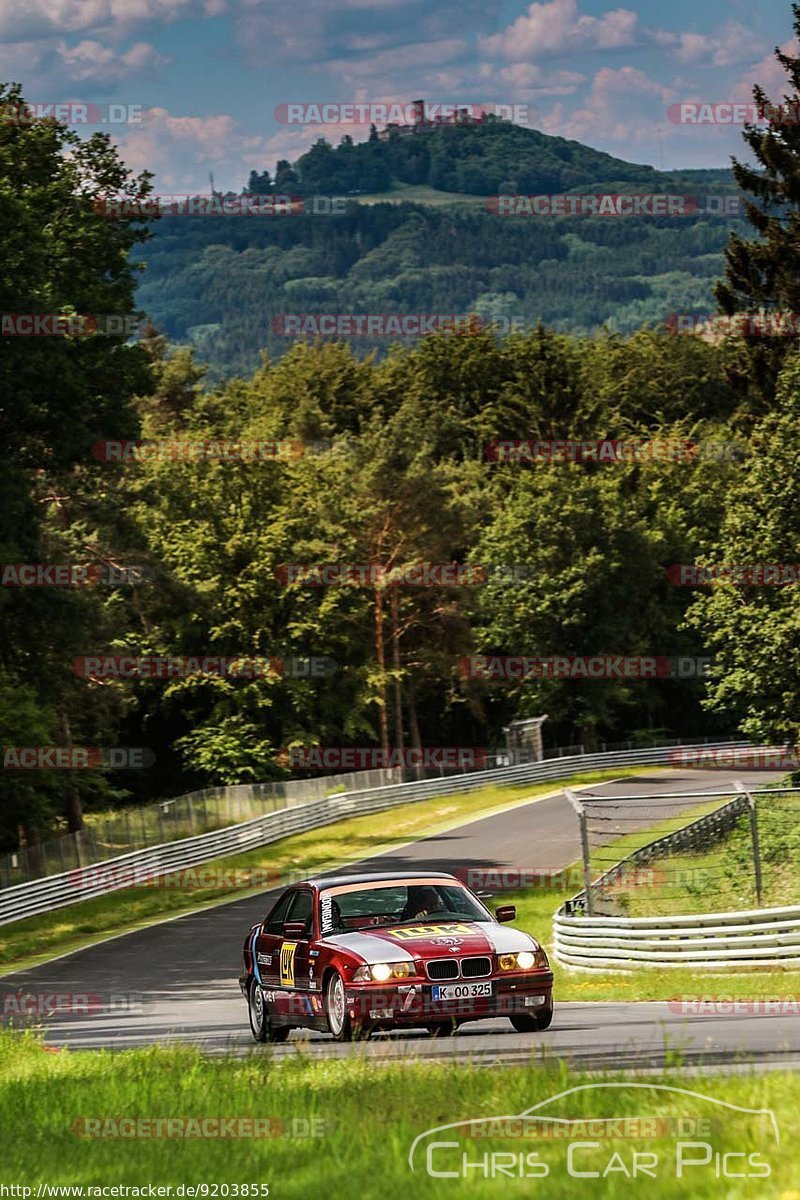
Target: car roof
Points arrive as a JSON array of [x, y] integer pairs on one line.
[[328, 881]]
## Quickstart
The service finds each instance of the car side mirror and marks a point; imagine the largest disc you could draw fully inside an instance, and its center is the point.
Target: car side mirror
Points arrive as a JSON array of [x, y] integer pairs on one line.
[[295, 929], [506, 912]]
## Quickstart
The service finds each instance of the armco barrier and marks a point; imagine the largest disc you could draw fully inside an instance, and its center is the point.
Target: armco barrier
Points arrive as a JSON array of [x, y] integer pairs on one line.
[[57, 891], [722, 941]]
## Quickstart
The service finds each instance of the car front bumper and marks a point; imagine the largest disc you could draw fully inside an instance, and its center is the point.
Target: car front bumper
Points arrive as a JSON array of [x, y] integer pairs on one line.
[[416, 1003]]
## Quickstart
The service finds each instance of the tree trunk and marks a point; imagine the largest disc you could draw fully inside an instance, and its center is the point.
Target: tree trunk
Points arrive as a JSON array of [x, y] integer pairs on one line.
[[413, 724], [398, 685], [73, 806], [380, 654], [31, 856]]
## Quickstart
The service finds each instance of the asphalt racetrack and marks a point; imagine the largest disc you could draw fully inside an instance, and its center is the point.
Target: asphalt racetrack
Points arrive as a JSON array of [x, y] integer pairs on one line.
[[178, 979]]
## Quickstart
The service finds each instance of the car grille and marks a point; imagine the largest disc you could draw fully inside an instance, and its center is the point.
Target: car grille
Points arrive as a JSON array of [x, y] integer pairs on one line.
[[476, 968], [442, 968], [451, 968]]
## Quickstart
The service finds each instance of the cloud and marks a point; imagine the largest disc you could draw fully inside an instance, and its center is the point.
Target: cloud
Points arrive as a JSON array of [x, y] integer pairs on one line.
[[320, 34], [768, 73], [182, 150], [725, 47], [527, 81], [89, 61], [624, 106], [52, 68], [556, 27], [399, 58], [115, 18]]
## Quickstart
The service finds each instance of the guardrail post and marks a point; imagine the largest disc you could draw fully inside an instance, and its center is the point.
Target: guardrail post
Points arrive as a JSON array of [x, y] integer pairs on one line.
[[587, 866], [751, 804]]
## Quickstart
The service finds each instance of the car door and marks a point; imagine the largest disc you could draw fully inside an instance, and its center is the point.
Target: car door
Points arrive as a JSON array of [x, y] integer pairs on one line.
[[270, 939], [295, 965]]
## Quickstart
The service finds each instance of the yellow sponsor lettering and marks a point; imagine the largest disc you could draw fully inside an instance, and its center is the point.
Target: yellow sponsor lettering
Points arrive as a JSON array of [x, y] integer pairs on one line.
[[288, 951]]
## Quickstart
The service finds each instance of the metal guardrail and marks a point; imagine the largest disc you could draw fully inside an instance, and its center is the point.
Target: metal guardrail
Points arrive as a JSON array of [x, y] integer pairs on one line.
[[58, 891], [708, 941], [721, 941], [173, 820]]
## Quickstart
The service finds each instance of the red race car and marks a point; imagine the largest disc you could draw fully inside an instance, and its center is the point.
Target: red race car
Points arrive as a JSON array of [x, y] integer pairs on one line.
[[352, 953]]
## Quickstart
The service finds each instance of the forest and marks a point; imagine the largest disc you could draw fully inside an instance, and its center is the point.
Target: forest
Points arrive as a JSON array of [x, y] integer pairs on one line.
[[188, 489]]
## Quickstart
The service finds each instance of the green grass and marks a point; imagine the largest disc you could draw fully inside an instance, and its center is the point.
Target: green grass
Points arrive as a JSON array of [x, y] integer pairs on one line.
[[24, 943], [420, 193], [368, 1115], [722, 878]]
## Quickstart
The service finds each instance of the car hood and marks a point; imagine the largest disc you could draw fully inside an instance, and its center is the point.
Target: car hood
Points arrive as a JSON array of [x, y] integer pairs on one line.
[[437, 939]]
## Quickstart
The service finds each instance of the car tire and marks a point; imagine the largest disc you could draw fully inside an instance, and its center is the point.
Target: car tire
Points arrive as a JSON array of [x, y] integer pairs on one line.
[[545, 1019], [261, 1027], [526, 1023], [339, 1023]]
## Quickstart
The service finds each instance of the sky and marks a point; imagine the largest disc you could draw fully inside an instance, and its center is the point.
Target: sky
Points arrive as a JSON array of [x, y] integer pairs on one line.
[[197, 84]]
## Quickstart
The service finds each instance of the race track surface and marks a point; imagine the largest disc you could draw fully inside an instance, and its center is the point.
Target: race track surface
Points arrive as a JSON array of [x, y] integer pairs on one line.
[[177, 981]]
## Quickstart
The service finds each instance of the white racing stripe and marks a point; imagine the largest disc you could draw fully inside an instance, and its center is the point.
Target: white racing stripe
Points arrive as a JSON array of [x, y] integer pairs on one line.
[[372, 949], [382, 947]]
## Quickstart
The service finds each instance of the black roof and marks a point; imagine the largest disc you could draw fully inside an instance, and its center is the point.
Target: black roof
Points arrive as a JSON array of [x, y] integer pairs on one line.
[[327, 881]]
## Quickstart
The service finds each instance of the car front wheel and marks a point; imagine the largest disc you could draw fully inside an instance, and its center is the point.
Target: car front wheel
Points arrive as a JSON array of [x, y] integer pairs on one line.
[[339, 1022], [525, 1023]]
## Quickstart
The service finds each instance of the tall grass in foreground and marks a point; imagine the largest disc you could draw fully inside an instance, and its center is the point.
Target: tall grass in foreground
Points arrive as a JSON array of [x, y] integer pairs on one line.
[[369, 1115]]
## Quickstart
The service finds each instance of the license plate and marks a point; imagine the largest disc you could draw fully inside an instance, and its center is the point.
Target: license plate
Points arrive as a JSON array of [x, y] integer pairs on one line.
[[461, 991]]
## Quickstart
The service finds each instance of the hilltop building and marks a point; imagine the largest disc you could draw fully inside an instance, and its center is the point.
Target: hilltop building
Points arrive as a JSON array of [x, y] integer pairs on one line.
[[428, 123]]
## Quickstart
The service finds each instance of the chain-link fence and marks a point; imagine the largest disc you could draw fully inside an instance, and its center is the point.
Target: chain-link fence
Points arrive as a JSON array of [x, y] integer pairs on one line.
[[217, 807], [170, 820], [689, 852]]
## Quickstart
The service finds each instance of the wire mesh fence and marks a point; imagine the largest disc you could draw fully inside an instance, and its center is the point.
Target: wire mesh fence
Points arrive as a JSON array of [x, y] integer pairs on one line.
[[170, 820], [216, 808], [689, 852]]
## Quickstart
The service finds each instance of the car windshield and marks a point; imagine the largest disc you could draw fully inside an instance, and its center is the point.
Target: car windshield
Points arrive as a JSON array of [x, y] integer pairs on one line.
[[397, 904]]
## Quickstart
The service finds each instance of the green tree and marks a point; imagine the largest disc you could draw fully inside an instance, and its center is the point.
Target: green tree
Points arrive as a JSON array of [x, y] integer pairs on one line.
[[764, 273], [61, 255], [754, 630]]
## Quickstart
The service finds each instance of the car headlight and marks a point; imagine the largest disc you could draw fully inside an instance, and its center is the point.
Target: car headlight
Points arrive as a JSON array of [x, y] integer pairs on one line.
[[524, 960], [381, 972]]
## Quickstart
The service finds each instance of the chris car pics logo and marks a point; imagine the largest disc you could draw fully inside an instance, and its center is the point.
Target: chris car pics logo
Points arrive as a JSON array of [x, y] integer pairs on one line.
[[668, 1133]]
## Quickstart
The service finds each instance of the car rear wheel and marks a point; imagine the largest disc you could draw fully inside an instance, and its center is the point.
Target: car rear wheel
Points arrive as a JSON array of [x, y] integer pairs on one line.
[[260, 1025], [526, 1023]]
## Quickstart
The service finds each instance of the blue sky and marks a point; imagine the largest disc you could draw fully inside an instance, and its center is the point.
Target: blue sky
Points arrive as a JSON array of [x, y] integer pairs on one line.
[[208, 75]]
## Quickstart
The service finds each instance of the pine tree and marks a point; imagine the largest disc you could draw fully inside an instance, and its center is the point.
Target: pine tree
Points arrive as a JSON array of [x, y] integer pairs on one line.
[[764, 274]]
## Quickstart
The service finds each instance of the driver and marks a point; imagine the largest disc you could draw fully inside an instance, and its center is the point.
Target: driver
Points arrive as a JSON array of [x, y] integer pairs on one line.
[[421, 901]]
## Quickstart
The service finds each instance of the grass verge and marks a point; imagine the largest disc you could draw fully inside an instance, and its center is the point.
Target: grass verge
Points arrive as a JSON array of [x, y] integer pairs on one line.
[[366, 1116], [25, 943]]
